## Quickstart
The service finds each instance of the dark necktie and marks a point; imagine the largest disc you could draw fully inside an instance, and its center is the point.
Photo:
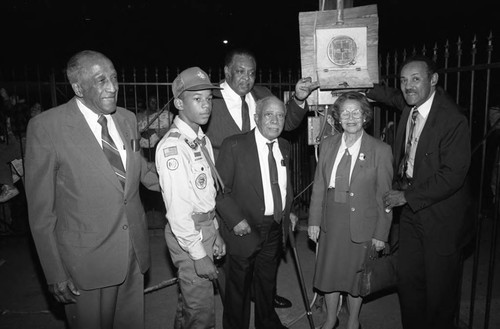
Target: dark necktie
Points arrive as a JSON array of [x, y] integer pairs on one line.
[[110, 150], [215, 174], [275, 187], [245, 116], [403, 165], [342, 178]]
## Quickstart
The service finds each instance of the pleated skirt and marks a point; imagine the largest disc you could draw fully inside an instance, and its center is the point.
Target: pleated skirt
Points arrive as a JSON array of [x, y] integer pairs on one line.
[[339, 259]]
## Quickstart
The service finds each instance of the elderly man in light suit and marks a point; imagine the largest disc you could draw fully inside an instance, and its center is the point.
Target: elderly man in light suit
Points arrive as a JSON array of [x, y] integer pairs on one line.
[[85, 213]]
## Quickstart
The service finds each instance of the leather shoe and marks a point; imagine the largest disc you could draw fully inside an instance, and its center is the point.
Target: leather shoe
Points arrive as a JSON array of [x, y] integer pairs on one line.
[[281, 302]]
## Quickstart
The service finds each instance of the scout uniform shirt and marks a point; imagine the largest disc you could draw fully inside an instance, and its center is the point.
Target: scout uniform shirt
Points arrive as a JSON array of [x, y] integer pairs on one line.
[[187, 184]]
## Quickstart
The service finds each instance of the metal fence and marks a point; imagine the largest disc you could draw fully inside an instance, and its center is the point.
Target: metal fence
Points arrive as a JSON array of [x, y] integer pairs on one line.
[[50, 88], [470, 72]]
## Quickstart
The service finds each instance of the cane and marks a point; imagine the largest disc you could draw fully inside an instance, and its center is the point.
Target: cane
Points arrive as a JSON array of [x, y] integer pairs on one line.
[[301, 278]]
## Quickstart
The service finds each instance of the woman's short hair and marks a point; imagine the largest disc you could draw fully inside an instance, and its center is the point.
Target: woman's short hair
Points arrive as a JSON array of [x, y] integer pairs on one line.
[[366, 108]]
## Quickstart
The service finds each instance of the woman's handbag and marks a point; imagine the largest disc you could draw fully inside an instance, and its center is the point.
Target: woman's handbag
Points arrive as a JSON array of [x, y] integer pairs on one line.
[[379, 271]]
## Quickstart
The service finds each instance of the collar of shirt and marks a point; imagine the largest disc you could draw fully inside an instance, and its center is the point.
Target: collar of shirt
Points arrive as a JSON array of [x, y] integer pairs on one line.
[[353, 150], [233, 103], [191, 135], [91, 117], [262, 141], [425, 108], [186, 130], [423, 113]]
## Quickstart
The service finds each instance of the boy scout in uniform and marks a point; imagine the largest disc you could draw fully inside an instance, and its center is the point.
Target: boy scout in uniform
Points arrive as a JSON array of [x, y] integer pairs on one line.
[[188, 179]]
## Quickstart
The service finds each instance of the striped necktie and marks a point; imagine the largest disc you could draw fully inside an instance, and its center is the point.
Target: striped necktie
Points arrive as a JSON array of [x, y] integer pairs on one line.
[[403, 166], [110, 150]]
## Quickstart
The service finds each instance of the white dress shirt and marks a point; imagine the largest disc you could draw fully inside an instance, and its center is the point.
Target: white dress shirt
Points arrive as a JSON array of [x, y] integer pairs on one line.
[[233, 102], [353, 151], [263, 151], [91, 117], [423, 113]]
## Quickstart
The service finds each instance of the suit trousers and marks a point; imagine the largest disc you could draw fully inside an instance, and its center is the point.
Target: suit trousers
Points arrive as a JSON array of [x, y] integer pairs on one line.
[[254, 275], [428, 287], [120, 306], [196, 300]]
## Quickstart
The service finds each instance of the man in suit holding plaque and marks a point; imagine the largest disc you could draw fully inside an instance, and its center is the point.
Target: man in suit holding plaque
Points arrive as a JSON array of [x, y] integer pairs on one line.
[[432, 159]]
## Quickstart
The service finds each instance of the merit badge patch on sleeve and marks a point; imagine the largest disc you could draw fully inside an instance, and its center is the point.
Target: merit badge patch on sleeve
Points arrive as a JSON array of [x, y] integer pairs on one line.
[[201, 181], [172, 164], [169, 151]]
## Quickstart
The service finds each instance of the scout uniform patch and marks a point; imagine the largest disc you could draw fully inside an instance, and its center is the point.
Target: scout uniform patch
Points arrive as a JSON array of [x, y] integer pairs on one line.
[[172, 164], [169, 151], [201, 181]]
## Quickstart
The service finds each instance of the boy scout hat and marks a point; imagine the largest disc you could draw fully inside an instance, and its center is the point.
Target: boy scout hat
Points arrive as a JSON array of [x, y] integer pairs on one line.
[[191, 79]]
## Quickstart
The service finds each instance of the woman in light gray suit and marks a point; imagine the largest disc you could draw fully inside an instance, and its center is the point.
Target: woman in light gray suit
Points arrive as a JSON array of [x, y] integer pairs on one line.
[[346, 215]]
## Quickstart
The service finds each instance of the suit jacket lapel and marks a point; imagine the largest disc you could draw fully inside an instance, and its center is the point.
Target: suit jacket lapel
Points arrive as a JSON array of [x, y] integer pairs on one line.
[[125, 131], [365, 151], [229, 123], [427, 134], [330, 159], [84, 139]]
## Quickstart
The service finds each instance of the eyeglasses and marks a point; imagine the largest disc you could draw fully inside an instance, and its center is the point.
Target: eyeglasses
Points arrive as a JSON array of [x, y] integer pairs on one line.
[[355, 114]]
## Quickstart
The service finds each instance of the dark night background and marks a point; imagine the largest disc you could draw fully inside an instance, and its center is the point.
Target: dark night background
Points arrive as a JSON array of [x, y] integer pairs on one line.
[[183, 33]]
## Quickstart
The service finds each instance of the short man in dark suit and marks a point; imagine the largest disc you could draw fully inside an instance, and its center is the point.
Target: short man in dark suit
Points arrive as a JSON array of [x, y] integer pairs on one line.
[[82, 186], [255, 213], [233, 107], [432, 159]]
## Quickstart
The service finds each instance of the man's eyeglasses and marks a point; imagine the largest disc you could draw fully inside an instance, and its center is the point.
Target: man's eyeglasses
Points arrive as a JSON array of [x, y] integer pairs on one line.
[[355, 114]]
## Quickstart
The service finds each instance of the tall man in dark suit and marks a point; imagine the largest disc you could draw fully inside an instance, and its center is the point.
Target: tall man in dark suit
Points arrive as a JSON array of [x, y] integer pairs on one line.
[[82, 185], [233, 107], [231, 116], [432, 158], [255, 213]]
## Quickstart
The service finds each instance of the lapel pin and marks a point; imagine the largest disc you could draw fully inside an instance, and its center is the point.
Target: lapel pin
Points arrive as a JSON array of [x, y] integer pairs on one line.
[[362, 157]]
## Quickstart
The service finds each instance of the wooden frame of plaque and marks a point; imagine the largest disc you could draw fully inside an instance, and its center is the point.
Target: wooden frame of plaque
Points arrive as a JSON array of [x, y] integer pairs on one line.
[[341, 56]]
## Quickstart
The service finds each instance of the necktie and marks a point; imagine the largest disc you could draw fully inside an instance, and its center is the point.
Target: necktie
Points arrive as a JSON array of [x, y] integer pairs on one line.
[[342, 178], [110, 150], [403, 165], [245, 116], [215, 174], [275, 187]]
